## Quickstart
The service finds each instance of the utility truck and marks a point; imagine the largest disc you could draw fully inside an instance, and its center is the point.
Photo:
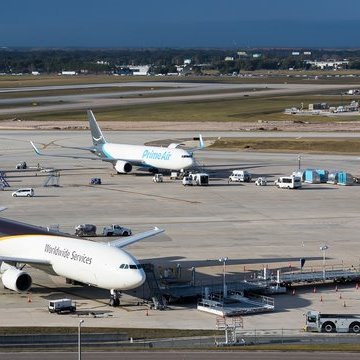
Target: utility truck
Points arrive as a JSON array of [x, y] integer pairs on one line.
[[61, 306], [332, 323]]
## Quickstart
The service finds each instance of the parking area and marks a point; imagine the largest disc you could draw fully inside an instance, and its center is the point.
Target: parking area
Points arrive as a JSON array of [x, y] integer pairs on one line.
[[254, 226]]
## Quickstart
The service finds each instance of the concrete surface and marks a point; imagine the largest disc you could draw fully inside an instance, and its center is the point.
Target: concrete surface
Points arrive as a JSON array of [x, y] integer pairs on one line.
[[253, 226]]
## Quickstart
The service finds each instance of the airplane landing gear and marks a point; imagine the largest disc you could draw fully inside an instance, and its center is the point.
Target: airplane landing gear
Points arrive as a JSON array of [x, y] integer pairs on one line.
[[115, 297]]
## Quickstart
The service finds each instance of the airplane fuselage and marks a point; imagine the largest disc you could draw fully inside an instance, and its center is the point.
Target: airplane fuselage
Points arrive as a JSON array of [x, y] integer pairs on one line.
[[82, 260], [148, 156]]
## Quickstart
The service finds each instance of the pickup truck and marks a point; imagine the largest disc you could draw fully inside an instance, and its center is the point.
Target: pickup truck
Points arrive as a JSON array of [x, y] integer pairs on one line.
[[116, 230]]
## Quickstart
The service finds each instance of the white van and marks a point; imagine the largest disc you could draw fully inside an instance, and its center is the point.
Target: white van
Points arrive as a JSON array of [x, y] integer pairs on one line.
[[288, 182], [26, 192], [240, 176]]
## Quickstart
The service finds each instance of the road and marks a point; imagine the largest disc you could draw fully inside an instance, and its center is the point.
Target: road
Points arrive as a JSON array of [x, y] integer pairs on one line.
[[179, 355]]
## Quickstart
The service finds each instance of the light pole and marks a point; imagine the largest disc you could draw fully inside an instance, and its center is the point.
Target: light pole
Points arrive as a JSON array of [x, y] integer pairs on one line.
[[323, 249], [299, 160], [224, 260], [79, 339]]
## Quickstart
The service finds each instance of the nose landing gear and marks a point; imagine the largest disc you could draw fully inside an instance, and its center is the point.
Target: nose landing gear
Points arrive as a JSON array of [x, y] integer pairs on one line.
[[115, 297]]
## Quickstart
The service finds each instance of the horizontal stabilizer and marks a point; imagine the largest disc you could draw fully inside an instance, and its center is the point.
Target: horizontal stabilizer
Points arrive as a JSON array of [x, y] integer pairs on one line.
[[120, 243]]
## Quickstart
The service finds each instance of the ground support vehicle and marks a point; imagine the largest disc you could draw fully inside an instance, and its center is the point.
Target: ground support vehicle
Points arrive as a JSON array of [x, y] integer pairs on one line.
[[62, 306], [158, 178], [239, 176], [261, 181], [331, 323], [116, 230], [200, 179], [187, 181], [95, 181], [21, 165], [85, 230], [288, 182]]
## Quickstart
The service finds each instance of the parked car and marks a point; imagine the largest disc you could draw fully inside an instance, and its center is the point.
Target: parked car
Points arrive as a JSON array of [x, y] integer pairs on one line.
[[26, 192]]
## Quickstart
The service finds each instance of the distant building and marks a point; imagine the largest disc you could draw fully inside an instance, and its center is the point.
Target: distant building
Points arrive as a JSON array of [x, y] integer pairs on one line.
[[307, 52], [35, 73], [242, 54], [255, 56], [187, 61], [295, 53], [229, 58], [141, 70], [329, 64], [68, 72]]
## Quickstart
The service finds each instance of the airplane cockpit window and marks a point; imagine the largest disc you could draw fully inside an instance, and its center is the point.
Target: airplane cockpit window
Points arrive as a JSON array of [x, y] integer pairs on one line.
[[187, 156], [131, 266]]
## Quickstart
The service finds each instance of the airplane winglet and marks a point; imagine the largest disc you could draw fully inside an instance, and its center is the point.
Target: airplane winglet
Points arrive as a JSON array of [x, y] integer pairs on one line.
[[35, 148], [2, 208], [201, 141]]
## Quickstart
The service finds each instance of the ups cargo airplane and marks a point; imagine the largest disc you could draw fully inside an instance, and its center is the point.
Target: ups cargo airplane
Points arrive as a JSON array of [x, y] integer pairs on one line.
[[103, 265], [123, 157]]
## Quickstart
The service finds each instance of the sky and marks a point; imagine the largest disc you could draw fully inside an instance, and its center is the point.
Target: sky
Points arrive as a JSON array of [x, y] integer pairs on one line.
[[183, 23]]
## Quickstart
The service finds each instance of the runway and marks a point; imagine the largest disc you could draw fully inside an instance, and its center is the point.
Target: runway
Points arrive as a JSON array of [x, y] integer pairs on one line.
[[174, 92]]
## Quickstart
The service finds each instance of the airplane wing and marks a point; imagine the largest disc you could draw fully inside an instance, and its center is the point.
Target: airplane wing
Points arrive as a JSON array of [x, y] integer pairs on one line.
[[89, 157], [24, 260], [120, 243]]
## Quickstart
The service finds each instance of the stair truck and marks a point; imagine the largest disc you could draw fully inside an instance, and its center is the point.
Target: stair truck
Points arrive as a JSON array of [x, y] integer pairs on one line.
[[332, 323]]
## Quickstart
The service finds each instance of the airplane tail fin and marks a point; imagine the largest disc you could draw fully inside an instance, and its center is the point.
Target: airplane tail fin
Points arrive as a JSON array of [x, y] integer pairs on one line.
[[96, 133], [201, 144]]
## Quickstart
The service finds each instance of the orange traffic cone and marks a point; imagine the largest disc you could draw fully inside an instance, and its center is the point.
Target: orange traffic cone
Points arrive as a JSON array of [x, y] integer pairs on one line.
[[321, 299], [344, 304], [336, 288], [314, 291], [357, 286], [340, 296], [29, 298], [147, 312]]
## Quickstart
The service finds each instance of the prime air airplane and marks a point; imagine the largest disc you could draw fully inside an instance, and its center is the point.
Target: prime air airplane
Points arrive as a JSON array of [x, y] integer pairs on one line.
[[103, 265], [124, 157]]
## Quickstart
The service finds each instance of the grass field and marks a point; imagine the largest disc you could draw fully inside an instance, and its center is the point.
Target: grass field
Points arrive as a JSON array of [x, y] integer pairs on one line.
[[245, 109], [303, 145]]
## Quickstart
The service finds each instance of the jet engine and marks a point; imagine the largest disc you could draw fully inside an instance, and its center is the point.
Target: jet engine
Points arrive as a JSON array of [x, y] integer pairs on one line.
[[15, 279], [122, 167]]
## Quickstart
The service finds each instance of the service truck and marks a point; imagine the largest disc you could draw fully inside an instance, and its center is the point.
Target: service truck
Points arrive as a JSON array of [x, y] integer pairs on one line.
[[331, 323], [116, 230], [62, 306]]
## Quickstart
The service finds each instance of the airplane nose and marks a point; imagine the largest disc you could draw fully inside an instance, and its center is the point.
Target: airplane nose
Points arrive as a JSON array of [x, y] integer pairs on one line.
[[140, 277]]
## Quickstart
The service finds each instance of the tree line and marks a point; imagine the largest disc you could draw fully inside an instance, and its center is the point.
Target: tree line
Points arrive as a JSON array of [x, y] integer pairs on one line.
[[97, 61]]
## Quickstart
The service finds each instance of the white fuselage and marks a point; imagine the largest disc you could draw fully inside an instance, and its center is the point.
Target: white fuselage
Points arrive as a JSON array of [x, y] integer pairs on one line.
[[149, 156], [82, 260]]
